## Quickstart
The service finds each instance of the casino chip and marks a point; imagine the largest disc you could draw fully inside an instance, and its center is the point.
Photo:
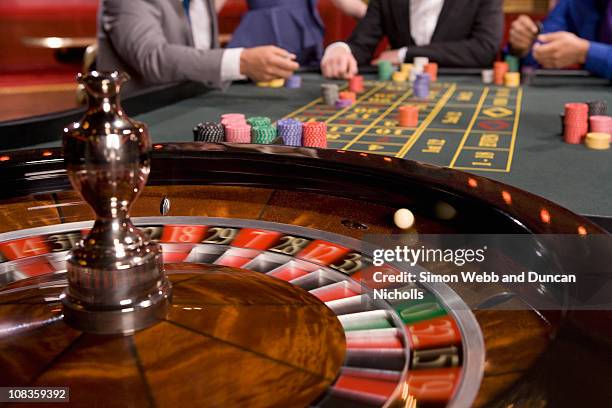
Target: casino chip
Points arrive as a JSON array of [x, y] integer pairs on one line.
[[576, 122], [601, 124], [399, 76], [355, 84], [514, 63], [420, 88], [343, 103], [259, 121], [209, 132], [290, 130], [487, 76], [431, 69], [263, 134], [293, 82], [385, 70], [408, 116], [499, 71], [512, 79], [597, 141], [238, 133], [277, 83], [330, 93], [598, 108], [315, 134]]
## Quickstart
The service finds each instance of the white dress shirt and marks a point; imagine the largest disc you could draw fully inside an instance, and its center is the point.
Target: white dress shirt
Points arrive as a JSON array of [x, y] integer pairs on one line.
[[201, 27], [424, 16]]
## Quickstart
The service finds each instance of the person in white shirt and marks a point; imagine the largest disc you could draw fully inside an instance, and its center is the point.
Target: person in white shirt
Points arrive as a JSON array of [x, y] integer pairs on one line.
[[167, 41], [453, 33]]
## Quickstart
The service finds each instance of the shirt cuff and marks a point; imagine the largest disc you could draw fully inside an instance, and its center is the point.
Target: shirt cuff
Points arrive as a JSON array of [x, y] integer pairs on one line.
[[338, 44], [230, 65], [599, 59], [401, 53]]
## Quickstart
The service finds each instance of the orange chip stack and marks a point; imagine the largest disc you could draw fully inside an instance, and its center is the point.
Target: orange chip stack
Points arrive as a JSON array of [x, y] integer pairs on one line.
[[355, 84], [500, 69], [348, 95], [432, 70], [408, 116]]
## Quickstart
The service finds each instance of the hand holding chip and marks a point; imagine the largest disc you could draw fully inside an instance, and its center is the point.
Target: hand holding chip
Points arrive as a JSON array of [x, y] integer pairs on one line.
[[560, 49], [338, 62]]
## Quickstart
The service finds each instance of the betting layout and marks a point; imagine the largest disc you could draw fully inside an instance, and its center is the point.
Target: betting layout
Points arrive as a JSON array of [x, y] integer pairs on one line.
[[415, 346], [462, 126]]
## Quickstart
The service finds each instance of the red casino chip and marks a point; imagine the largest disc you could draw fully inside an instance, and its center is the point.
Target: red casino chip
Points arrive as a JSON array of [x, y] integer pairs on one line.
[[315, 134]]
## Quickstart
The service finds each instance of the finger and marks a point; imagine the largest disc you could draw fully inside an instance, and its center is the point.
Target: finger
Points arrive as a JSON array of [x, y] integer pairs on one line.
[[551, 36], [284, 63], [341, 67], [280, 52], [353, 69], [324, 70], [518, 36], [528, 24]]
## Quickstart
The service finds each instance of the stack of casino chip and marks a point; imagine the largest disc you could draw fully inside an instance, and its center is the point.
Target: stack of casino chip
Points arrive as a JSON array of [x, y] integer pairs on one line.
[[232, 118], [263, 134], [601, 124], [576, 122], [432, 70], [293, 82], [408, 116], [420, 88], [348, 95], [385, 70], [314, 134], [414, 72], [499, 71], [514, 63], [598, 108], [277, 83], [406, 69], [259, 121], [420, 62], [238, 132], [487, 76], [343, 103], [290, 130], [209, 132], [399, 76], [329, 93], [355, 84], [597, 141], [512, 79]]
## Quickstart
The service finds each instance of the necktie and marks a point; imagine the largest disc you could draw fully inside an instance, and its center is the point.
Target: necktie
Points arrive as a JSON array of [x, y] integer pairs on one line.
[[605, 34], [186, 7]]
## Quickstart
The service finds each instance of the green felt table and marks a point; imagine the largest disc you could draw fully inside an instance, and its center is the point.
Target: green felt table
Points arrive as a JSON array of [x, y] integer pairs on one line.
[[530, 155]]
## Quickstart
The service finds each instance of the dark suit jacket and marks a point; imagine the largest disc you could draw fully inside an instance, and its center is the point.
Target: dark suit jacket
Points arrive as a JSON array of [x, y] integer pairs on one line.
[[468, 34], [153, 42]]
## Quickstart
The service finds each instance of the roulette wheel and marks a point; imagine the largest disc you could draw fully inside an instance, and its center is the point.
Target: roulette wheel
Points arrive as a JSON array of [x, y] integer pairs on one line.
[[240, 280]]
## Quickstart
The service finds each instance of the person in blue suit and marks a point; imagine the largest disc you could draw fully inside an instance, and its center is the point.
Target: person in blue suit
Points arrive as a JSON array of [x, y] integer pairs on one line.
[[575, 32], [293, 25]]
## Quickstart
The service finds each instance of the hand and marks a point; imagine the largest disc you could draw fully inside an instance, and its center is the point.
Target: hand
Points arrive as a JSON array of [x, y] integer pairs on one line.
[[523, 33], [338, 62], [267, 63], [389, 55], [560, 50]]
